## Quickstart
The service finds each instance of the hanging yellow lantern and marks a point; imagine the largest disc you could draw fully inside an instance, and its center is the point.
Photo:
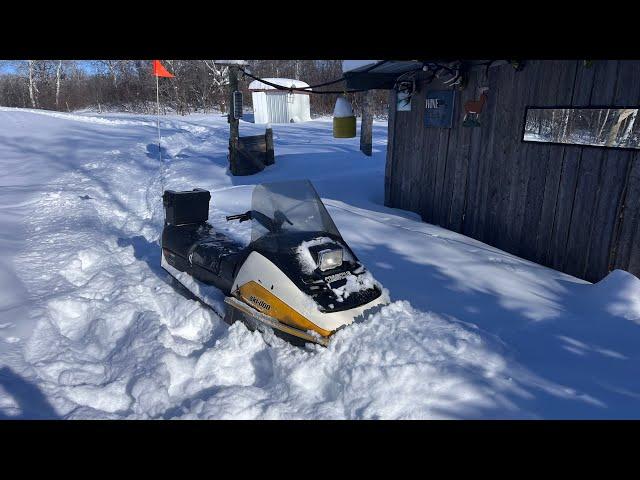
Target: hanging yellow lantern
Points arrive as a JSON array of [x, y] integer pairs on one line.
[[344, 121]]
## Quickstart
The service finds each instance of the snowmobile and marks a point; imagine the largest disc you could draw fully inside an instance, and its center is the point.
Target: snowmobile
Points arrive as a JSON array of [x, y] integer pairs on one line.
[[297, 276]]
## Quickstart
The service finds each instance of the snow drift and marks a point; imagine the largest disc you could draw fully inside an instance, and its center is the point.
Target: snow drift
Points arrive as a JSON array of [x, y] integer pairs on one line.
[[92, 327]]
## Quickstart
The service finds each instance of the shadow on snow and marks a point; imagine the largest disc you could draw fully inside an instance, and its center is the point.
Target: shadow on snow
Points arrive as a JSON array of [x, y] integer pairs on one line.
[[31, 402]]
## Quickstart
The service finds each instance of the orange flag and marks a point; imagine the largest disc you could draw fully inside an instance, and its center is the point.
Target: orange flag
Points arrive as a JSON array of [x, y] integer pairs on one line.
[[160, 71]]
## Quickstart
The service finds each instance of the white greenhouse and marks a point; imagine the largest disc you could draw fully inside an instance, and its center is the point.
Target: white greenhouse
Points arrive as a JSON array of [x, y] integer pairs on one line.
[[271, 105]]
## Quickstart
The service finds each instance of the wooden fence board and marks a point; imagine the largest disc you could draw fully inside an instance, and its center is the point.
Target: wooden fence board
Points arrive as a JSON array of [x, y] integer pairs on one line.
[[614, 173], [390, 163], [589, 177], [526, 158], [487, 126], [571, 158], [630, 236], [508, 148], [462, 156], [551, 184]]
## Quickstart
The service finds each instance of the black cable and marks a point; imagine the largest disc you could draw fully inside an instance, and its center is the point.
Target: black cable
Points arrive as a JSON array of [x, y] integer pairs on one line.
[[398, 80], [305, 89], [371, 67], [308, 89], [291, 89], [433, 68]]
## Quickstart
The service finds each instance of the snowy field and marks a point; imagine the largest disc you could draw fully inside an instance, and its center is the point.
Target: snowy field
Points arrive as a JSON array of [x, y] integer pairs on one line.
[[92, 327]]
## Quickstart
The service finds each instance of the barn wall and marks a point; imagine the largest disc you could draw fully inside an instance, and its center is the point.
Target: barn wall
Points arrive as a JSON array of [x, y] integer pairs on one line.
[[274, 107], [300, 109], [573, 208], [260, 111]]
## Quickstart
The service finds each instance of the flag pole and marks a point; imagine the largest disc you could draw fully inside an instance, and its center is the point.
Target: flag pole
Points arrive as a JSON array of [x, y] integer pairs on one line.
[[158, 117]]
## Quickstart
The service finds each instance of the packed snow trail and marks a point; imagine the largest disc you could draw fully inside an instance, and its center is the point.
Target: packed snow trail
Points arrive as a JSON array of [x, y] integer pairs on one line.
[[92, 327]]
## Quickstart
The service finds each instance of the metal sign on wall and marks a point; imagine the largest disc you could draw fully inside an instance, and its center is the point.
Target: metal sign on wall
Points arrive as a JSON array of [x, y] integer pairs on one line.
[[237, 104], [439, 108]]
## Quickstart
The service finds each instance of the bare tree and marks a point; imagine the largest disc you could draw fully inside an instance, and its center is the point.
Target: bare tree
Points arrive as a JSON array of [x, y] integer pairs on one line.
[[218, 75], [112, 67], [129, 84], [622, 116], [58, 76], [629, 128], [33, 89], [604, 122]]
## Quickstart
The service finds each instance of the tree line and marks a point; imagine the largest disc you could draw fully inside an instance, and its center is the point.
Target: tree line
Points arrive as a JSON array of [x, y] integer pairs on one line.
[[611, 127], [199, 86]]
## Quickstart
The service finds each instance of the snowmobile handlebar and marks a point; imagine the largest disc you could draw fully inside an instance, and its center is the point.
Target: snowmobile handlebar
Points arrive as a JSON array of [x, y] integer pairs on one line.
[[241, 216], [273, 225]]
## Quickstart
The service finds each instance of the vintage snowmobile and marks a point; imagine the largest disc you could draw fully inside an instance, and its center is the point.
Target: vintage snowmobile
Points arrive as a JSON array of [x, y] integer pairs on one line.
[[297, 276]]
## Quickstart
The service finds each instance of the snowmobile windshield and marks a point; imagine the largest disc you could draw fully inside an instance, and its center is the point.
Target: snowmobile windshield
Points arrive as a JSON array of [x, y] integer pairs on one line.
[[287, 210]]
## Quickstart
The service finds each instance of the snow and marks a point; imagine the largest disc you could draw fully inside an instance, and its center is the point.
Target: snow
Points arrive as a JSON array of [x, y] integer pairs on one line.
[[583, 138], [285, 82], [92, 327], [356, 283], [231, 62], [307, 263], [342, 108]]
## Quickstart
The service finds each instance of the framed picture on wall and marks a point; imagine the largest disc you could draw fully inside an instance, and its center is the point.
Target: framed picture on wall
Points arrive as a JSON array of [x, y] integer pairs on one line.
[[403, 101], [612, 127], [439, 108]]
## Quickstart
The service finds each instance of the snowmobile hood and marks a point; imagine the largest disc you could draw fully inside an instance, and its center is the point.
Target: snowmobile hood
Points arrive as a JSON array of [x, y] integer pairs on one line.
[[264, 286]]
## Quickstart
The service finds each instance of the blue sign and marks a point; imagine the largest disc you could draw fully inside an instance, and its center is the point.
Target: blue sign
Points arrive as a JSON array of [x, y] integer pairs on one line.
[[439, 108]]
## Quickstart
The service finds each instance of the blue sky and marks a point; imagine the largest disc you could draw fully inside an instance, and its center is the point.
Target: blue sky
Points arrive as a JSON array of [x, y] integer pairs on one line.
[[10, 67]]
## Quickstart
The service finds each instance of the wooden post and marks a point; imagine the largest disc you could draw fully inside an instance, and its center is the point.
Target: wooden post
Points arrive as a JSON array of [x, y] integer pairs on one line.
[[270, 157], [234, 130], [366, 124]]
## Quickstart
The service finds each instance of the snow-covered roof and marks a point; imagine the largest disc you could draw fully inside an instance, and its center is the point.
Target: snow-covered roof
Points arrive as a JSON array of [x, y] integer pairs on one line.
[[348, 65], [285, 82], [231, 62]]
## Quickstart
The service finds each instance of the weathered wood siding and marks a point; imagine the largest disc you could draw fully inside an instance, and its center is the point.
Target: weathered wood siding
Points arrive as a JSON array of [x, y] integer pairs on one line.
[[573, 208]]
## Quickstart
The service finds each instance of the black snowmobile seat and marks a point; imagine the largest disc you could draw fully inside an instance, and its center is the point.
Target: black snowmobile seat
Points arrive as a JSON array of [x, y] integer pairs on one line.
[[180, 239], [215, 252], [208, 256]]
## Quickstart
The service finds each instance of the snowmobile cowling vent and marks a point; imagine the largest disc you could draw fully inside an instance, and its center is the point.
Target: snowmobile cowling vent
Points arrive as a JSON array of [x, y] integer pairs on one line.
[[184, 208]]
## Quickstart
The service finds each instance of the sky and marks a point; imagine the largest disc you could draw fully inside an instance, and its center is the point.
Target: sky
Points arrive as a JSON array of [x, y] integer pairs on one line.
[[11, 66]]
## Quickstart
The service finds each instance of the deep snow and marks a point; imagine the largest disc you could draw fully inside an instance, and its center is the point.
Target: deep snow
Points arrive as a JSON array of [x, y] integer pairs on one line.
[[92, 327]]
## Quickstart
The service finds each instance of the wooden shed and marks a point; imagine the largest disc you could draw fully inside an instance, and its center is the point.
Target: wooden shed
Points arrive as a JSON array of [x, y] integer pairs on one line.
[[547, 168]]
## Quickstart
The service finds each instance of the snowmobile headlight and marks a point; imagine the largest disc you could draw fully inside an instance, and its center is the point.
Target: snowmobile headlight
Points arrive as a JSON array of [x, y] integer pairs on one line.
[[330, 258]]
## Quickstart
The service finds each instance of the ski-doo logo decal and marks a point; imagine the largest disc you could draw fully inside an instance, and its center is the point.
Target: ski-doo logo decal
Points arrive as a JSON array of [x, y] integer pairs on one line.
[[265, 301], [259, 302], [336, 276]]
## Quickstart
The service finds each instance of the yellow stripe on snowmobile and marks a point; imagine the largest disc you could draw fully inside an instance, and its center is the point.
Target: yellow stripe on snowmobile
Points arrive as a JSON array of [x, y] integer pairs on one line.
[[266, 302], [248, 310]]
